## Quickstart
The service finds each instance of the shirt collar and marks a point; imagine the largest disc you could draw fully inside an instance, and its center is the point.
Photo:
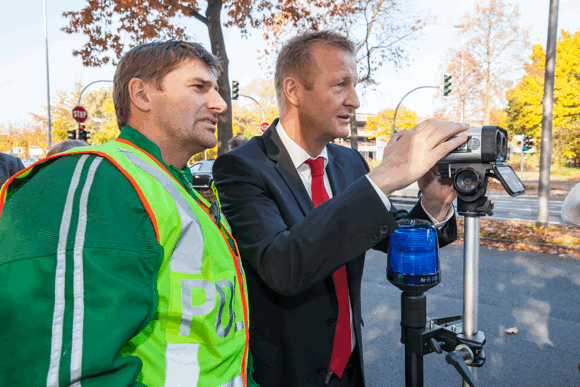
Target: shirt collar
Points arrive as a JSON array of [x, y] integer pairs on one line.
[[142, 142], [297, 154]]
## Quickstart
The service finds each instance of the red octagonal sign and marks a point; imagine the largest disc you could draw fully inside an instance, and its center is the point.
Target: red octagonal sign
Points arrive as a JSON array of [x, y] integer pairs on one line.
[[80, 114]]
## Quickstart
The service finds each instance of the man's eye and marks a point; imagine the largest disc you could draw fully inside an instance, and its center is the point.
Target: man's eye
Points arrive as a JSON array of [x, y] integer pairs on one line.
[[341, 84]]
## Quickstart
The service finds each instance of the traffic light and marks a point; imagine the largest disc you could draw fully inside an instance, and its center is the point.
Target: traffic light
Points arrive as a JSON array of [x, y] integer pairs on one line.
[[528, 143], [235, 89], [83, 134], [72, 134], [446, 84]]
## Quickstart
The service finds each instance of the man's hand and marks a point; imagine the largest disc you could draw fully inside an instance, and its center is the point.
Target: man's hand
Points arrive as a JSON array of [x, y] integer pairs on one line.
[[410, 154], [437, 194]]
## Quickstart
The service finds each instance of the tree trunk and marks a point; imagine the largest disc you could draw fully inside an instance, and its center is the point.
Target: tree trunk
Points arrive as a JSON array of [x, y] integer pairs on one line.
[[218, 48], [353, 132]]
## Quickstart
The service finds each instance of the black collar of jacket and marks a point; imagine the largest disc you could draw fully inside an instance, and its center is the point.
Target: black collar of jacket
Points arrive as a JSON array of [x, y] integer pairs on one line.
[[276, 151]]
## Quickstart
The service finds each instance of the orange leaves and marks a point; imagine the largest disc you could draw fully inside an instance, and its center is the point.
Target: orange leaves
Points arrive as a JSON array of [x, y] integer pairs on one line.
[[108, 23]]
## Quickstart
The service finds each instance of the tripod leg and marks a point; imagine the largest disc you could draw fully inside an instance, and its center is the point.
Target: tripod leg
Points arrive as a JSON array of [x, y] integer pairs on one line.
[[470, 278], [413, 319], [413, 369]]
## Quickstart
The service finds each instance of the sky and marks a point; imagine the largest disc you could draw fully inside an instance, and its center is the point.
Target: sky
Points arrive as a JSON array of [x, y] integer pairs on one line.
[[23, 86]]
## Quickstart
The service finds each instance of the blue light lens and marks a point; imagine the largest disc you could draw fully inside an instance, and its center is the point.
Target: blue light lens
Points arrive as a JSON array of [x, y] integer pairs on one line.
[[414, 255]]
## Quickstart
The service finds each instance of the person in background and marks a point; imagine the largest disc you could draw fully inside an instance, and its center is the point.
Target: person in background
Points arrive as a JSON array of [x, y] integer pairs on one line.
[[236, 142], [115, 271], [571, 206], [66, 145], [304, 211], [9, 165]]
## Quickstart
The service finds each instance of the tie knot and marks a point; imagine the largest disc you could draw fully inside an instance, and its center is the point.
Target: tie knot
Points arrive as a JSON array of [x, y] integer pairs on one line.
[[316, 166]]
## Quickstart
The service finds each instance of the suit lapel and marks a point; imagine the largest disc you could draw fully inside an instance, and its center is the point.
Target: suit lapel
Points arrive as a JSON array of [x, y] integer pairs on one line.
[[338, 183], [276, 152], [335, 171]]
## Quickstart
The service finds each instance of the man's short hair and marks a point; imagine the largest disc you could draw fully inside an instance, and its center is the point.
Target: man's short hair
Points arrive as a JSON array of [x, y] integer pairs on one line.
[[66, 145], [237, 141], [151, 62], [295, 58]]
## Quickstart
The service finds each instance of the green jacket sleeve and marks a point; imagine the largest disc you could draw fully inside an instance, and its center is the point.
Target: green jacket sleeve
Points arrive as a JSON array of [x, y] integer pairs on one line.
[[78, 268]]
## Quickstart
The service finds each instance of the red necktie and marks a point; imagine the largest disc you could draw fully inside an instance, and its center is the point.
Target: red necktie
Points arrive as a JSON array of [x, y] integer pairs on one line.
[[341, 348]]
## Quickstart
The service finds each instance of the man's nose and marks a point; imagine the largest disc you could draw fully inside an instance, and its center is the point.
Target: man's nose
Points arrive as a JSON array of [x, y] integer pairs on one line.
[[217, 103], [352, 98]]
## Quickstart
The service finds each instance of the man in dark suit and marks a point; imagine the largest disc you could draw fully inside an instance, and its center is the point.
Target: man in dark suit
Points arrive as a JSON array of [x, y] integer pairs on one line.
[[305, 211], [9, 165]]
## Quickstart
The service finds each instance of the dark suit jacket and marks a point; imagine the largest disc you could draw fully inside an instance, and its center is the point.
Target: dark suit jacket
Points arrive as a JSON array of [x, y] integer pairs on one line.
[[9, 165], [290, 250]]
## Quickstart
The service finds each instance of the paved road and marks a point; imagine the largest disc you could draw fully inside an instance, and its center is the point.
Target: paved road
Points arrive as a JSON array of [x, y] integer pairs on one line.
[[538, 293], [522, 208]]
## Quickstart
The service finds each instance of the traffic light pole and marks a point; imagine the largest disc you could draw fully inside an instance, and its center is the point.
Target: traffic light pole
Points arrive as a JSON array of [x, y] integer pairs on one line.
[[399, 104], [236, 94], [522, 163]]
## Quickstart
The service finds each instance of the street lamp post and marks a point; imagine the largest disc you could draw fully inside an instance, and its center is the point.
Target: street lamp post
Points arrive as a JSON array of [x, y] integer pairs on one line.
[[253, 99], [548, 106], [83, 90], [47, 76], [399, 104]]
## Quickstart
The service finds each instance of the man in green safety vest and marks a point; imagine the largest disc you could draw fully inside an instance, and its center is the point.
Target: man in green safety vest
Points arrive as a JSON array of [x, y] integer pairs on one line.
[[114, 270]]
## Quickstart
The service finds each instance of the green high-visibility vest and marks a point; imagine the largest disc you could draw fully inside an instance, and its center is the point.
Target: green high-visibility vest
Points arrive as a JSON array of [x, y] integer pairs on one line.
[[199, 335]]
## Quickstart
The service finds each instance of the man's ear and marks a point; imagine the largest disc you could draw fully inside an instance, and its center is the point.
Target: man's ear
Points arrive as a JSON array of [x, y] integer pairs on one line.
[[293, 90], [140, 95]]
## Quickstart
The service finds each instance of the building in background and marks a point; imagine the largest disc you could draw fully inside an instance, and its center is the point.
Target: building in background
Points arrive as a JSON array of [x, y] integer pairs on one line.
[[367, 141]]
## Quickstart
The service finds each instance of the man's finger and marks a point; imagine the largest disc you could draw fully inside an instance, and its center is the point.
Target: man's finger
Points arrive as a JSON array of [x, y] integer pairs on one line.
[[447, 146], [449, 131], [397, 136]]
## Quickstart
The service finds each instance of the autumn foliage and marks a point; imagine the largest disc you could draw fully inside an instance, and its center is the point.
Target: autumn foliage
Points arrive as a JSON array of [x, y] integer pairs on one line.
[[525, 100], [558, 240]]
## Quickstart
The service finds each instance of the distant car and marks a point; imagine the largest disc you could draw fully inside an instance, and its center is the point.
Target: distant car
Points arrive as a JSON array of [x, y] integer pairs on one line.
[[202, 176]]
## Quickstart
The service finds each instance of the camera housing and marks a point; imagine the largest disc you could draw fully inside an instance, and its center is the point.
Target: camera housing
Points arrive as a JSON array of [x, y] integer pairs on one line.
[[480, 157], [484, 145]]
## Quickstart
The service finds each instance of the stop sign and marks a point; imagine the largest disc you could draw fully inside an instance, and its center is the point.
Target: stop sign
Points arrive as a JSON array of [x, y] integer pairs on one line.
[[264, 125], [80, 114]]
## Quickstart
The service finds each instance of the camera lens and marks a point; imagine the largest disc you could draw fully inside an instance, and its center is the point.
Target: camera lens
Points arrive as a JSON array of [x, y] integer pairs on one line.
[[504, 148], [498, 146], [467, 181]]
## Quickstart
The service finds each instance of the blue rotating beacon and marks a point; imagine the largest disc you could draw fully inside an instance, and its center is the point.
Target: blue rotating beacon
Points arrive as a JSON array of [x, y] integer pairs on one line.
[[413, 259], [413, 267]]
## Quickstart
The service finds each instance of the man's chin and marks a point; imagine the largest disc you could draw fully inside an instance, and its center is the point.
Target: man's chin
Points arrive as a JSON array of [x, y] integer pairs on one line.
[[210, 144], [342, 131]]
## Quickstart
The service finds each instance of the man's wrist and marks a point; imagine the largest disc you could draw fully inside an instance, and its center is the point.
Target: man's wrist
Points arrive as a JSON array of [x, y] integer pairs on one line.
[[382, 182], [381, 194]]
